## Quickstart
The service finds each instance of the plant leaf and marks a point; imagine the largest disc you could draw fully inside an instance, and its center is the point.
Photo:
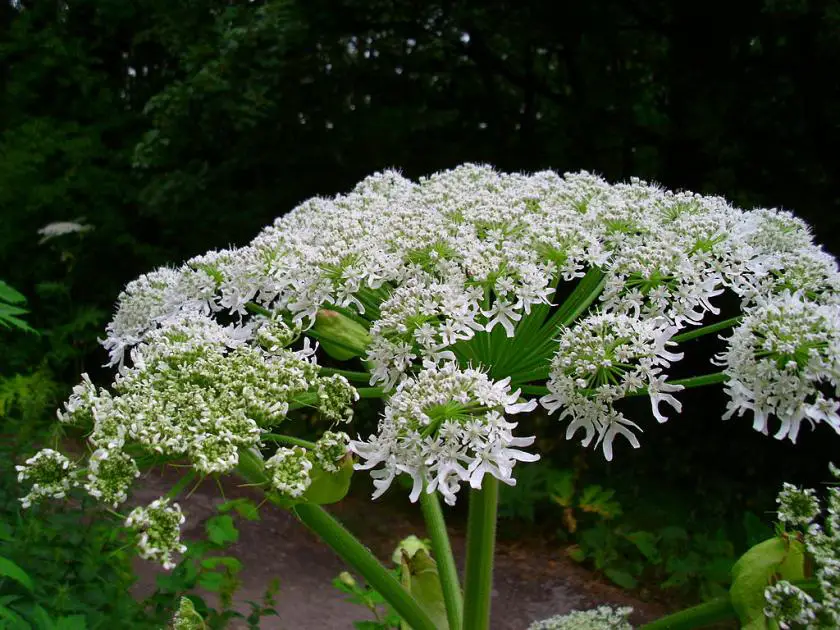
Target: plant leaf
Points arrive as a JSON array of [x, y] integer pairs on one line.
[[327, 487], [622, 578], [750, 576], [10, 570], [645, 542], [419, 575], [221, 530]]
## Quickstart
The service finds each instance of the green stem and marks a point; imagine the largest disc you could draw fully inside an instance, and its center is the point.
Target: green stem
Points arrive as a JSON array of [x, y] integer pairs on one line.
[[256, 308], [362, 560], [534, 390], [288, 439], [687, 383], [252, 468], [706, 330], [719, 609], [701, 381], [442, 550], [371, 392], [707, 613], [353, 377], [481, 539], [182, 483]]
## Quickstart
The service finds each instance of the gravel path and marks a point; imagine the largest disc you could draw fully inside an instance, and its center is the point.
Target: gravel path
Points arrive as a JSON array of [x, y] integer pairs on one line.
[[532, 580]]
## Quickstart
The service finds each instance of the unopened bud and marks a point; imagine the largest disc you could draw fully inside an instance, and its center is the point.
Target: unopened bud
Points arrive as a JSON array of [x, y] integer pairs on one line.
[[341, 337]]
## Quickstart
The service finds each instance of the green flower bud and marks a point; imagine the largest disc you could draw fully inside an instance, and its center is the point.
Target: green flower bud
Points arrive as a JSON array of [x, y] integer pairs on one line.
[[341, 337]]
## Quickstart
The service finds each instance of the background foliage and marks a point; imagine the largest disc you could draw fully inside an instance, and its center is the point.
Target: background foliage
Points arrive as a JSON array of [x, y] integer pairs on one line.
[[175, 127]]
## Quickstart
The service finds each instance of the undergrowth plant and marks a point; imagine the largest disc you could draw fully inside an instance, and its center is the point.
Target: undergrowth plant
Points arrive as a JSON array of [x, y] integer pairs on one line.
[[462, 301]]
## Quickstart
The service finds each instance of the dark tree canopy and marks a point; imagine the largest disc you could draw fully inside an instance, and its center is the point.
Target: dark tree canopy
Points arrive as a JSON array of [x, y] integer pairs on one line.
[[175, 127]]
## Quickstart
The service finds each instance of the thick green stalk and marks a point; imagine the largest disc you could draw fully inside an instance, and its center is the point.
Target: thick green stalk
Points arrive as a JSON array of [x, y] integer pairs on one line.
[[362, 560], [252, 468], [710, 612], [371, 392], [714, 611], [481, 540], [442, 550]]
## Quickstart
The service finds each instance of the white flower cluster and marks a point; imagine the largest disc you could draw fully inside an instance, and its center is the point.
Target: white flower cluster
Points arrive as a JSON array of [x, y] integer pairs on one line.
[[288, 471], [110, 474], [789, 605], [159, 527], [330, 449], [599, 361], [786, 348], [196, 388], [443, 427], [469, 270], [601, 618], [187, 617], [51, 474]]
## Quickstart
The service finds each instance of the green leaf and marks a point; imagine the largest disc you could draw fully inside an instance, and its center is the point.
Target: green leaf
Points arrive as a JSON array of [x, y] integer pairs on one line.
[[419, 574], [576, 553], [73, 622], [792, 567], [622, 578], [246, 508], [42, 618], [599, 501], [11, 295], [750, 576], [13, 619], [233, 565], [563, 488], [12, 571], [327, 487], [645, 542], [213, 582], [221, 530]]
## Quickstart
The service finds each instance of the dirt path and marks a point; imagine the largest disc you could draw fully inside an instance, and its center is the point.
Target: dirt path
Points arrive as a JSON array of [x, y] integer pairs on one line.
[[532, 580]]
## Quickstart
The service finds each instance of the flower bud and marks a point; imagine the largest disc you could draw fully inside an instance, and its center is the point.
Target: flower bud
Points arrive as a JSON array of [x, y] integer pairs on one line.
[[345, 578], [341, 337]]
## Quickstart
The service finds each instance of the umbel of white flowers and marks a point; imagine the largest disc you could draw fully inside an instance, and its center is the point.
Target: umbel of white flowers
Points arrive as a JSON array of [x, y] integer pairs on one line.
[[803, 516], [464, 299]]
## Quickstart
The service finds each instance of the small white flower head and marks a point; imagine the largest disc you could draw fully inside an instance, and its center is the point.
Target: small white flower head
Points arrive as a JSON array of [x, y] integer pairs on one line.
[[790, 606], [336, 397], [781, 361], [214, 453], [599, 361], [50, 473], [274, 334], [110, 475], [159, 529], [443, 427], [330, 449], [187, 617], [787, 604], [289, 471], [797, 507], [60, 228], [601, 618], [78, 407]]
